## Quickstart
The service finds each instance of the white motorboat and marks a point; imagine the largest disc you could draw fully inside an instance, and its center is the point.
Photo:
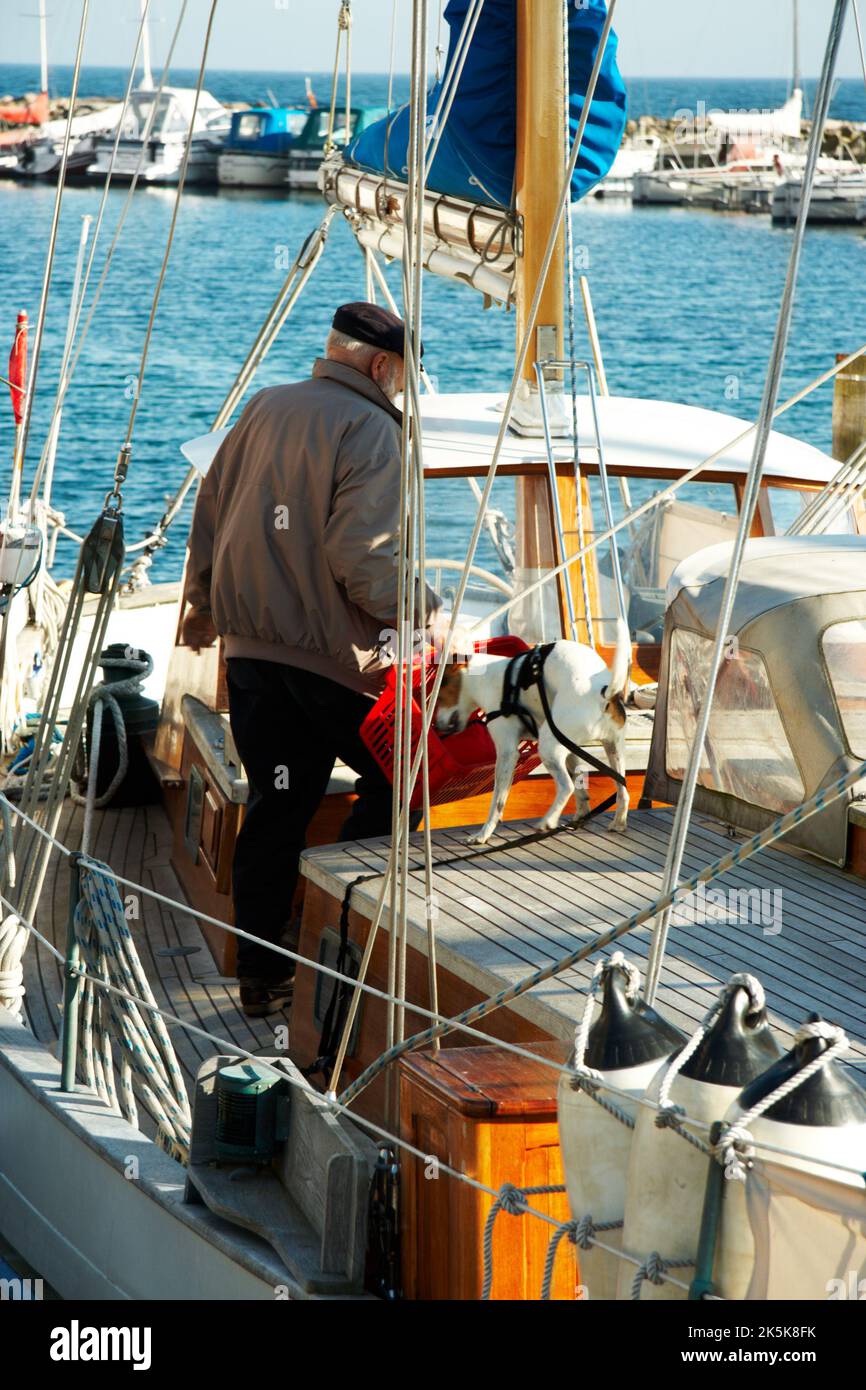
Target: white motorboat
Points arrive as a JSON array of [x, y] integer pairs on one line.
[[638, 154], [837, 196], [41, 156], [154, 135]]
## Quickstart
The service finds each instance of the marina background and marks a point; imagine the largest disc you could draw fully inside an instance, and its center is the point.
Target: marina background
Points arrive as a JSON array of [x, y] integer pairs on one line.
[[686, 303]]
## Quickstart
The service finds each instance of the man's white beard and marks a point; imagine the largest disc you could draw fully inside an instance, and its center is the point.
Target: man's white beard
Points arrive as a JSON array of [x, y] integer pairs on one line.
[[388, 384]]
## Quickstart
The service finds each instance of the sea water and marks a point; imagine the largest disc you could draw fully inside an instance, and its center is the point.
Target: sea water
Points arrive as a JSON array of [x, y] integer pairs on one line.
[[686, 304]]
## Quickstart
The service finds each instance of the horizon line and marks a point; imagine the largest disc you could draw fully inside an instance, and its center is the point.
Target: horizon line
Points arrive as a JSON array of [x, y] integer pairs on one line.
[[378, 72]]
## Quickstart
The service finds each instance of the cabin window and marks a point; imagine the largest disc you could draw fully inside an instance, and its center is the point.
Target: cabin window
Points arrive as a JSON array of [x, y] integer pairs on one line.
[[250, 126], [696, 515], [747, 753], [505, 563], [340, 134], [845, 654], [787, 505]]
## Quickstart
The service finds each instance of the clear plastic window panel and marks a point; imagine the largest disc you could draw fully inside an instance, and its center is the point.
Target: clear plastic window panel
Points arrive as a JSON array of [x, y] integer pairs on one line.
[[747, 753], [696, 515], [845, 655]]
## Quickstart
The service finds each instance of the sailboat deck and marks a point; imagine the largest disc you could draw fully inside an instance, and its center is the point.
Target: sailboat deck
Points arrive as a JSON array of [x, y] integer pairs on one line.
[[136, 843], [501, 917]]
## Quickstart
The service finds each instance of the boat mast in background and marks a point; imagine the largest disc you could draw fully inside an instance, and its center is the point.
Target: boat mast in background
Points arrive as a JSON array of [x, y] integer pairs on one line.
[[146, 83], [43, 48], [796, 79]]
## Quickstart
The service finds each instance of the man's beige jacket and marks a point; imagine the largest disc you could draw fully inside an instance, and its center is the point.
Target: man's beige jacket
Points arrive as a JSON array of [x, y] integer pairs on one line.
[[293, 547]]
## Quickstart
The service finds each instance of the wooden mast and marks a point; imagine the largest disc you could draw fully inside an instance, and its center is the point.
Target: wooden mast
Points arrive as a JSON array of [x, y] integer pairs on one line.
[[539, 172]]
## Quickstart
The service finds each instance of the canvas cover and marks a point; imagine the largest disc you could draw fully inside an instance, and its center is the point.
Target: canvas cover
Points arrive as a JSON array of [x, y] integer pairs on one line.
[[791, 592], [476, 154]]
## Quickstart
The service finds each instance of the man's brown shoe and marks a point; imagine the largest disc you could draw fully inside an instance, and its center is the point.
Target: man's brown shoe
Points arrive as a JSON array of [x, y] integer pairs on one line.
[[262, 997]]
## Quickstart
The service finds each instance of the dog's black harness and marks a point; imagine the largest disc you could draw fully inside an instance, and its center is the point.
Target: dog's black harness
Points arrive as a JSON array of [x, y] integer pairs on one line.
[[522, 673]]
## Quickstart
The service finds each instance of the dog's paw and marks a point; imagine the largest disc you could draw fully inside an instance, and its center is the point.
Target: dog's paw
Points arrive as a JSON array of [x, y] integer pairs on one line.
[[618, 826], [549, 823], [479, 839]]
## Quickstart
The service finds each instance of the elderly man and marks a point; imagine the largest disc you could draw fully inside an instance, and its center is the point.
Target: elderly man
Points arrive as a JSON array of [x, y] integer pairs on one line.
[[293, 561]]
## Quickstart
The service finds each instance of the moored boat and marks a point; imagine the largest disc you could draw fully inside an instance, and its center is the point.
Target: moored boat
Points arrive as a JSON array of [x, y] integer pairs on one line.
[[257, 147]]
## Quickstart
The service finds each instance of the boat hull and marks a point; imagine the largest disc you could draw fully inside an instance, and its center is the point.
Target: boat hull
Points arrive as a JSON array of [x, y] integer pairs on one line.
[[115, 1225], [161, 164], [244, 169]]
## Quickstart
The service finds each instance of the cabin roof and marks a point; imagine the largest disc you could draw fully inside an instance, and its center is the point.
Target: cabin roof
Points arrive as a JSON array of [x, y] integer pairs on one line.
[[185, 98], [776, 570], [638, 436]]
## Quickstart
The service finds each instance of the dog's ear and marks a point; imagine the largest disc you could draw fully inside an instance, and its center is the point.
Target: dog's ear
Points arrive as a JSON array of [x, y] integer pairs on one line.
[[615, 709], [449, 690]]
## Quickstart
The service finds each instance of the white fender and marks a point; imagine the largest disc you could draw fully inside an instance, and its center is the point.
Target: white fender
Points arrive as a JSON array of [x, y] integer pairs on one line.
[[626, 1045], [667, 1175], [824, 1118]]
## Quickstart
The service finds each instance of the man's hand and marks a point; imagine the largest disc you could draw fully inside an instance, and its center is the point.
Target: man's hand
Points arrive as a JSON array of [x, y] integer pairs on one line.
[[197, 630]]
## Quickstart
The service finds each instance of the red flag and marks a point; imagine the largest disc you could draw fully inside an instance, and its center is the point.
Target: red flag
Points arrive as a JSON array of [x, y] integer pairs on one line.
[[18, 367]]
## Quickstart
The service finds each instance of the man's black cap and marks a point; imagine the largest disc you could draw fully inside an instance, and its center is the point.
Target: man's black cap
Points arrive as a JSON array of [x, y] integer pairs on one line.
[[371, 324]]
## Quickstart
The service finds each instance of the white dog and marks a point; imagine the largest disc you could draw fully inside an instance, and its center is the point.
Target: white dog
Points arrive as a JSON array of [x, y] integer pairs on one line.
[[587, 703]]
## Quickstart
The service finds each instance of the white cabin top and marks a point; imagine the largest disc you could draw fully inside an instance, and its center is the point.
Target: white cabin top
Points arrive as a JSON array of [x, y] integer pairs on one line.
[[638, 436]]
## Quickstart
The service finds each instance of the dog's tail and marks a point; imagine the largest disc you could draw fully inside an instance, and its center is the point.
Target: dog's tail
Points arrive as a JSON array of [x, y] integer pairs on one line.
[[617, 687]]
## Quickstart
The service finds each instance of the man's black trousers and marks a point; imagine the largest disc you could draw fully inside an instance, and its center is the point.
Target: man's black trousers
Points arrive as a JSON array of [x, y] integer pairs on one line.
[[290, 726]]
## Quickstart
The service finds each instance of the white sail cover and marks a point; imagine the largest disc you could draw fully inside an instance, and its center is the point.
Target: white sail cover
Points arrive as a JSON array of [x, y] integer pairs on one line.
[[783, 123]]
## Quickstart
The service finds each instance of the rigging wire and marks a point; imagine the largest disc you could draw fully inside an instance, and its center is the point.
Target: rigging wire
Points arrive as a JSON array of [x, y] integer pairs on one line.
[[70, 361], [452, 79], [572, 350], [344, 26], [658, 498], [856, 11], [775, 831], [95, 866], [127, 443], [24, 435], [685, 801], [522, 353]]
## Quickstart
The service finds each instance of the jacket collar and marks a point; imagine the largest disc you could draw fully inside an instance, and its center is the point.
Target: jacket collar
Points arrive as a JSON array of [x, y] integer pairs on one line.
[[356, 381]]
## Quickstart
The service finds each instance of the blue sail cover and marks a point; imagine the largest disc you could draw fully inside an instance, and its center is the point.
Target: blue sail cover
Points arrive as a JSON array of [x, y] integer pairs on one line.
[[475, 158]]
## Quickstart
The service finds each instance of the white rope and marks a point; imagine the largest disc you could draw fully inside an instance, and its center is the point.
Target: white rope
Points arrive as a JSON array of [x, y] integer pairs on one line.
[[736, 1146], [753, 988]]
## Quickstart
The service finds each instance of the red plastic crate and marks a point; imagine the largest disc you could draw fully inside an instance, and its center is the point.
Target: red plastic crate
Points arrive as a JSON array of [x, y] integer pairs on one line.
[[461, 764]]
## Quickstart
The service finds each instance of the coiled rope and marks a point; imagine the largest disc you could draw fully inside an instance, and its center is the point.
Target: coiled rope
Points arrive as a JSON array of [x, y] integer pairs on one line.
[[115, 1019], [104, 696]]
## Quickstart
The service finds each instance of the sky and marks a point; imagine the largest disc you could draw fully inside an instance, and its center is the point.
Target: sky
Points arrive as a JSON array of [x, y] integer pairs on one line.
[[658, 38]]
